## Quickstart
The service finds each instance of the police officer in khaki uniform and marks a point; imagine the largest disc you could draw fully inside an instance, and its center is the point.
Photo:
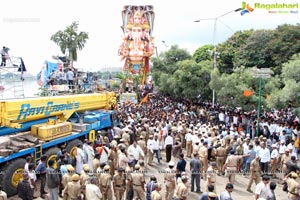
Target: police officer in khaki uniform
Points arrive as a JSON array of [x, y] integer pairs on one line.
[[129, 170], [203, 155], [105, 184], [254, 173], [220, 157], [231, 165], [119, 184], [67, 177], [113, 159], [293, 186], [182, 189], [138, 181], [155, 195], [211, 176], [72, 190], [84, 177], [170, 181], [142, 143], [284, 159]]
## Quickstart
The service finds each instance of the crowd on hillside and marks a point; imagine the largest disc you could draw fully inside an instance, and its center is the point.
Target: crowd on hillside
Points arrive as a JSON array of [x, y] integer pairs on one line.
[[195, 141]]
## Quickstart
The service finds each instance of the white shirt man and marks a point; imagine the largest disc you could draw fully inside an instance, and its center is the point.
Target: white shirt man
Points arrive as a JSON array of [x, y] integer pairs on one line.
[[169, 140], [264, 155], [188, 136], [150, 144], [92, 191], [79, 160], [104, 154], [221, 117], [282, 148], [135, 150], [262, 189]]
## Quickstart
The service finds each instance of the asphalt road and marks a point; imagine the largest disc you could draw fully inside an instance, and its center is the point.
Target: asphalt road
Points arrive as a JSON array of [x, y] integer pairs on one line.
[[239, 191]]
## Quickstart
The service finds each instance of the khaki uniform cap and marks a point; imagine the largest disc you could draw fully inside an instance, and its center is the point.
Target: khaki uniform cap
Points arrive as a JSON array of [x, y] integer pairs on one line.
[[106, 167], [70, 168], [75, 177]]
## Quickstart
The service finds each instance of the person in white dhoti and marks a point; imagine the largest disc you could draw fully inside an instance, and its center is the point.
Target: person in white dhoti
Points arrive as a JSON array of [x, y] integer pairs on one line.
[[90, 155], [79, 159], [84, 148]]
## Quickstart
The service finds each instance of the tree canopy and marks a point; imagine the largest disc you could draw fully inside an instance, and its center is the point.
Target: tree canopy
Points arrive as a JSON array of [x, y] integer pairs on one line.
[[179, 74], [70, 40]]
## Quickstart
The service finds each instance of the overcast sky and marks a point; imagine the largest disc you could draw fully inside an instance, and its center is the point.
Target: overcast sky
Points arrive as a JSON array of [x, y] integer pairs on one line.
[[26, 26]]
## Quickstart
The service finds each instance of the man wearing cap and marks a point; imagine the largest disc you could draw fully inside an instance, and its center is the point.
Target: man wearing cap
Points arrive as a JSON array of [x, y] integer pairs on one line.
[[119, 184], [68, 176], [203, 154], [24, 189], [129, 188], [284, 159], [138, 181], [220, 155], [226, 195], [293, 186], [211, 176], [122, 158], [189, 143], [155, 195], [170, 180], [52, 180], [262, 189], [274, 160], [254, 173], [105, 183], [72, 190], [113, 159], [84, 177], [182, 190], [231, 166], [96, 162], [141, 142], [92, 191]]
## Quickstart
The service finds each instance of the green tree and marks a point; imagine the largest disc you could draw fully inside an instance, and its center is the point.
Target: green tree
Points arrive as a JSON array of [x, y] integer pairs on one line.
[[203, 53], [70, 40], [288, 92], [256, 52], [228, 51]]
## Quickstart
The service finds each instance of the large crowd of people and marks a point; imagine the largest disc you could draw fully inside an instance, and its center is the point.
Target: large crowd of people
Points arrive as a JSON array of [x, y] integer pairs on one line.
[[198, 141]]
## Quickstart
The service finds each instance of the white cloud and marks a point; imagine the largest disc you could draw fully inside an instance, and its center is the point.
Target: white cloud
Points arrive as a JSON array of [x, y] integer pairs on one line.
[[26, 26]]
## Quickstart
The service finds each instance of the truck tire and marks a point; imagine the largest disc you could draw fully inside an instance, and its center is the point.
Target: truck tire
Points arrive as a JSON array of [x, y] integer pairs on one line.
[[11, 176], [71, 147], [51, 155]]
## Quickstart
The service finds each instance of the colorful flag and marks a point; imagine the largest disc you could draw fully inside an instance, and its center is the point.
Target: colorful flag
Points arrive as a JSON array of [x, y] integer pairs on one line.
[[248, 93]]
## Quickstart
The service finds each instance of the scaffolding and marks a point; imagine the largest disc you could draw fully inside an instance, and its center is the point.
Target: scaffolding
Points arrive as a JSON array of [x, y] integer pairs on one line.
[[11, 78]]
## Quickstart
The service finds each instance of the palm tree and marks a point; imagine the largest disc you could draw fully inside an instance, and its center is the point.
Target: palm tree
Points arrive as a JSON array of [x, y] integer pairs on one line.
[[70, 41]]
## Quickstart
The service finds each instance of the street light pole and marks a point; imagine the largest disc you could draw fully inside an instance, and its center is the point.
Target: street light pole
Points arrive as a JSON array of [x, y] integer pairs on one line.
[[214, 43]]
